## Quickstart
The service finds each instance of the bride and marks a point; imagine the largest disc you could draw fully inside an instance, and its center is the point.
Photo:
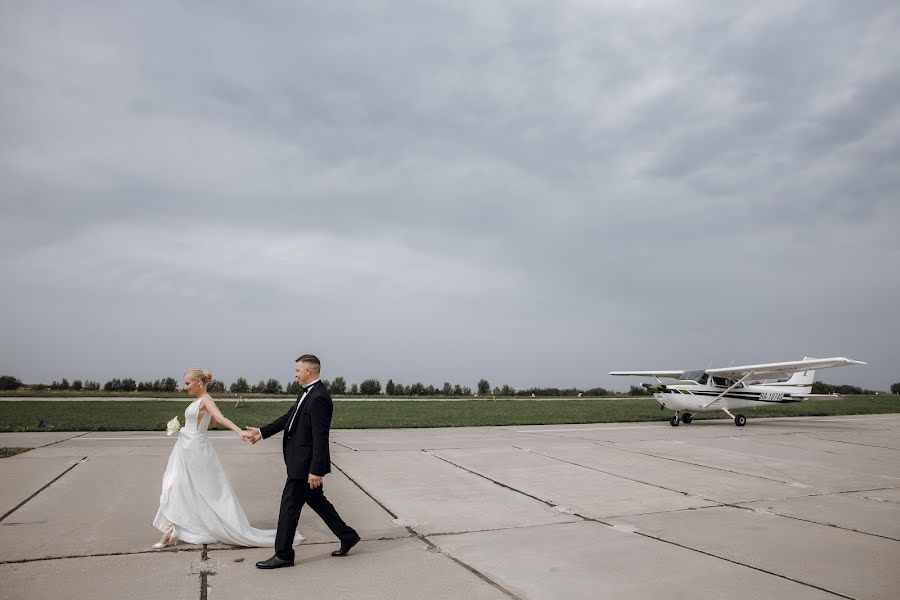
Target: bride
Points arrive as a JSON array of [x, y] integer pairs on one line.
[[198, 504]]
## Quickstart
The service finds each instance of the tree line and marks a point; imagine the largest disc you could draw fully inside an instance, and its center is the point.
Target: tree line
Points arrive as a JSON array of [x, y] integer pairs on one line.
[[337, 386], [368, 387]]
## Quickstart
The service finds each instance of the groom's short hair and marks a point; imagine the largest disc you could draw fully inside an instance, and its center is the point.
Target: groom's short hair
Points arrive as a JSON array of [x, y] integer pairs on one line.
[[312, 360]]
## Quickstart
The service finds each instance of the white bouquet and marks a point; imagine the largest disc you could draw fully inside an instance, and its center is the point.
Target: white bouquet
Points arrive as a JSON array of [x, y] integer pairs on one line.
[[173, 426]]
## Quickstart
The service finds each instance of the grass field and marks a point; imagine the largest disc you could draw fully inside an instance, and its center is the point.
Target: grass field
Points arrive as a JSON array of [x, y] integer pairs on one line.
[[152, 415], [7, 452]]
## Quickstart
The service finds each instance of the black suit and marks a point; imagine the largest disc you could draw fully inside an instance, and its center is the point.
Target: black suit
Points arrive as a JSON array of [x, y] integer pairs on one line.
[[305, 447]]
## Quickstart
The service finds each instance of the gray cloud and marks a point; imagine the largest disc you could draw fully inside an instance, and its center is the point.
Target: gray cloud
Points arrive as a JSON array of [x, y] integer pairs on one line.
[[534, 193]]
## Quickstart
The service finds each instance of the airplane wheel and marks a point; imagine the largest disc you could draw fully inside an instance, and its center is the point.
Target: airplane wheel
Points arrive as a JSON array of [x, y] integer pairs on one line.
[[740, 420], [686, 418], [674, 421]]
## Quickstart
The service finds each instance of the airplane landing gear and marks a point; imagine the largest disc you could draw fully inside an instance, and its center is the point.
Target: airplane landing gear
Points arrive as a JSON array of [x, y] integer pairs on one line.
[[740, 420], [686, 418], [674, 420]]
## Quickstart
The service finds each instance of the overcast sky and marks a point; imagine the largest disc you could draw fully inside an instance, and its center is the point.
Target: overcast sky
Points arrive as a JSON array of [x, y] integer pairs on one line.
[[531, 192]]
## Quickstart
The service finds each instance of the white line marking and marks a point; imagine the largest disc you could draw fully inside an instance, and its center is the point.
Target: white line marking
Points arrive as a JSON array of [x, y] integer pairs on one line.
[[591, 429], [137, 437], [851, 419]]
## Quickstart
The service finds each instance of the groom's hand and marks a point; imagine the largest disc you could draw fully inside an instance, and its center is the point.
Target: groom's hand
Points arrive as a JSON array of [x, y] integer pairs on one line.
[[254, 434], [315, 481]]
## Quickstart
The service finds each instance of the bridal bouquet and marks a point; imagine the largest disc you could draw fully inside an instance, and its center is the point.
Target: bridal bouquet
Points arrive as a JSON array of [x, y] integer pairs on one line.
[[173, 426]]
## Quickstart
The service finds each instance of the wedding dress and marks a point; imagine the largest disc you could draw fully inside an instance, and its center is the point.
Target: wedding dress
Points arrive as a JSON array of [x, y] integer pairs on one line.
[[197, 496]]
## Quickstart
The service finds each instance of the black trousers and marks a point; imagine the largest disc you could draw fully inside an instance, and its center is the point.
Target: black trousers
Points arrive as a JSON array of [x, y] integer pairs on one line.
[[297, 493]]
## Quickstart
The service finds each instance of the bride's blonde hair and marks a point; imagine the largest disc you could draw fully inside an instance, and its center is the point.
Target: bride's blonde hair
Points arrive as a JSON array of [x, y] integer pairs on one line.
[[201, 375]]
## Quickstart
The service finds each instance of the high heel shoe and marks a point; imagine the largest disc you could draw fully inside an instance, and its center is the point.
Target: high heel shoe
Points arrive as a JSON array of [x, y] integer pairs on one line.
[[170, 537]]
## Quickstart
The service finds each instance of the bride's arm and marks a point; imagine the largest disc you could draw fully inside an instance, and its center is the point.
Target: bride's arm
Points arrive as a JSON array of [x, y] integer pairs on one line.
[[210, 405]]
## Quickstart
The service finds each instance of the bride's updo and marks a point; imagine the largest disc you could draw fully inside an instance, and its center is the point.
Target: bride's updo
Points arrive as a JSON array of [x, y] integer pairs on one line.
[[201, 375]]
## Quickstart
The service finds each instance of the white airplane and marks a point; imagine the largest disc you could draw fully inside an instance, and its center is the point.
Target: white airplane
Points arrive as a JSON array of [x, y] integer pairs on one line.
[[733, 388]]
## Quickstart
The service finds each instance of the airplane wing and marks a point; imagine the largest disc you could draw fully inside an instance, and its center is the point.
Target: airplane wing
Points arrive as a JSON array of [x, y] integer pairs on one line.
[[782, 369], [670, 374]]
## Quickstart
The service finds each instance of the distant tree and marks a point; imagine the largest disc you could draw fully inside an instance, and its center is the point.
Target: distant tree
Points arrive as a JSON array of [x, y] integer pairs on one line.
[[416, 389], [215, 386], [597, 392], [8, 382], [113, 385], [466, 391], [636, 390], [273, 386], [370, 387], [457, 390], [430, 390], [64, 384], [895, 388], [77, 385], [484, 387], [293, 388], [259, 388], [168, 385], [447, 390], [506, 390], [240, 386], [128, 385], [354, 389], [327, 385], [91, 386], [845, 390], [338, 386], [389, 387]]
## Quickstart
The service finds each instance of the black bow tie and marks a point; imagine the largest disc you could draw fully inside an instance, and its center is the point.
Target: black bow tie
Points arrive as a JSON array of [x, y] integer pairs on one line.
[[306, 388]]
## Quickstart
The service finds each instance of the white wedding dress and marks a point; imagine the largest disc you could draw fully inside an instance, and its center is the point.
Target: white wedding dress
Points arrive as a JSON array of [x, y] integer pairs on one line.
[[197, 496]]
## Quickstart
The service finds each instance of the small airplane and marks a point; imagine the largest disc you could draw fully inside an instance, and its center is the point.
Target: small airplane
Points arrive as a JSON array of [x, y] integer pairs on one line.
[[732, 388]]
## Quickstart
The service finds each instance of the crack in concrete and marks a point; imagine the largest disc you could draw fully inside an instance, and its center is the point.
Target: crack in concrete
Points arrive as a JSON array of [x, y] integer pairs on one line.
[[345, 446], [366, 492], [648, 536], [100, 555], [854, 443], [495, 482], [811, 521], [202, 567], [656, 485], [431, 546], [26, 500], [735, 562], [67, 439], [687, 462]]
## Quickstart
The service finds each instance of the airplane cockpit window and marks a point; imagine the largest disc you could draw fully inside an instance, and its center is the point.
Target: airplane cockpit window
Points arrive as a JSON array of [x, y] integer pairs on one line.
[[699, 376], [726, 383]]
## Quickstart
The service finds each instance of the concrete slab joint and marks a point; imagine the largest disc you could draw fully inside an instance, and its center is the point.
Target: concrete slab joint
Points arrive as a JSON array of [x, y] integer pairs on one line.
[[204, 567]]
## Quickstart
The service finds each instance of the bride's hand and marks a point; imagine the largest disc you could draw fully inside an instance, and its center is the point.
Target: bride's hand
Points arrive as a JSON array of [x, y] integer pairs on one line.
[[254, 434]]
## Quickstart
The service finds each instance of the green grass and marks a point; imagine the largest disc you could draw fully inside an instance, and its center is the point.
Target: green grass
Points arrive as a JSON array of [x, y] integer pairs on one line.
[[152, 415], [7, 452]]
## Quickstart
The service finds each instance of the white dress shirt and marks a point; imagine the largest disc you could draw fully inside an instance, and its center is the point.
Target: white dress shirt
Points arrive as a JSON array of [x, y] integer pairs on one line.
[[300, 403]]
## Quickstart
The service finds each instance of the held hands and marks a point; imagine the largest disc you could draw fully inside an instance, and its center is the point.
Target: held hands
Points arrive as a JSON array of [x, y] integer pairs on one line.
[[251, 435]]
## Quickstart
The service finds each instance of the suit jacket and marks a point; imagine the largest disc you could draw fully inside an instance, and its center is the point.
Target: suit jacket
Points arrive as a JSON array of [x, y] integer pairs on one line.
[[305, 446]]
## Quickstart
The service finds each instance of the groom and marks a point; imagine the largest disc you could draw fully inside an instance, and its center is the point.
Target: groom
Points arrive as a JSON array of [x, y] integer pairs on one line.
[[306, 455]]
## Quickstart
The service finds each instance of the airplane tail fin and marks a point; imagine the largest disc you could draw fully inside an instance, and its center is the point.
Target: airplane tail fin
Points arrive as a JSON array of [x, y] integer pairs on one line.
[[803, 378]]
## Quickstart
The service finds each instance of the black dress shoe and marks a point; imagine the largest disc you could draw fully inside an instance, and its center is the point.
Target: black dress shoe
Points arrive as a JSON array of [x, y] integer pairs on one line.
[[345, 546], [274, 563]]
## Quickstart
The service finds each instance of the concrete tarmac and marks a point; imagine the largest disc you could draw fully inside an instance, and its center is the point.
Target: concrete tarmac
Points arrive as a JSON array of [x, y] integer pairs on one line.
[[781, 508]]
